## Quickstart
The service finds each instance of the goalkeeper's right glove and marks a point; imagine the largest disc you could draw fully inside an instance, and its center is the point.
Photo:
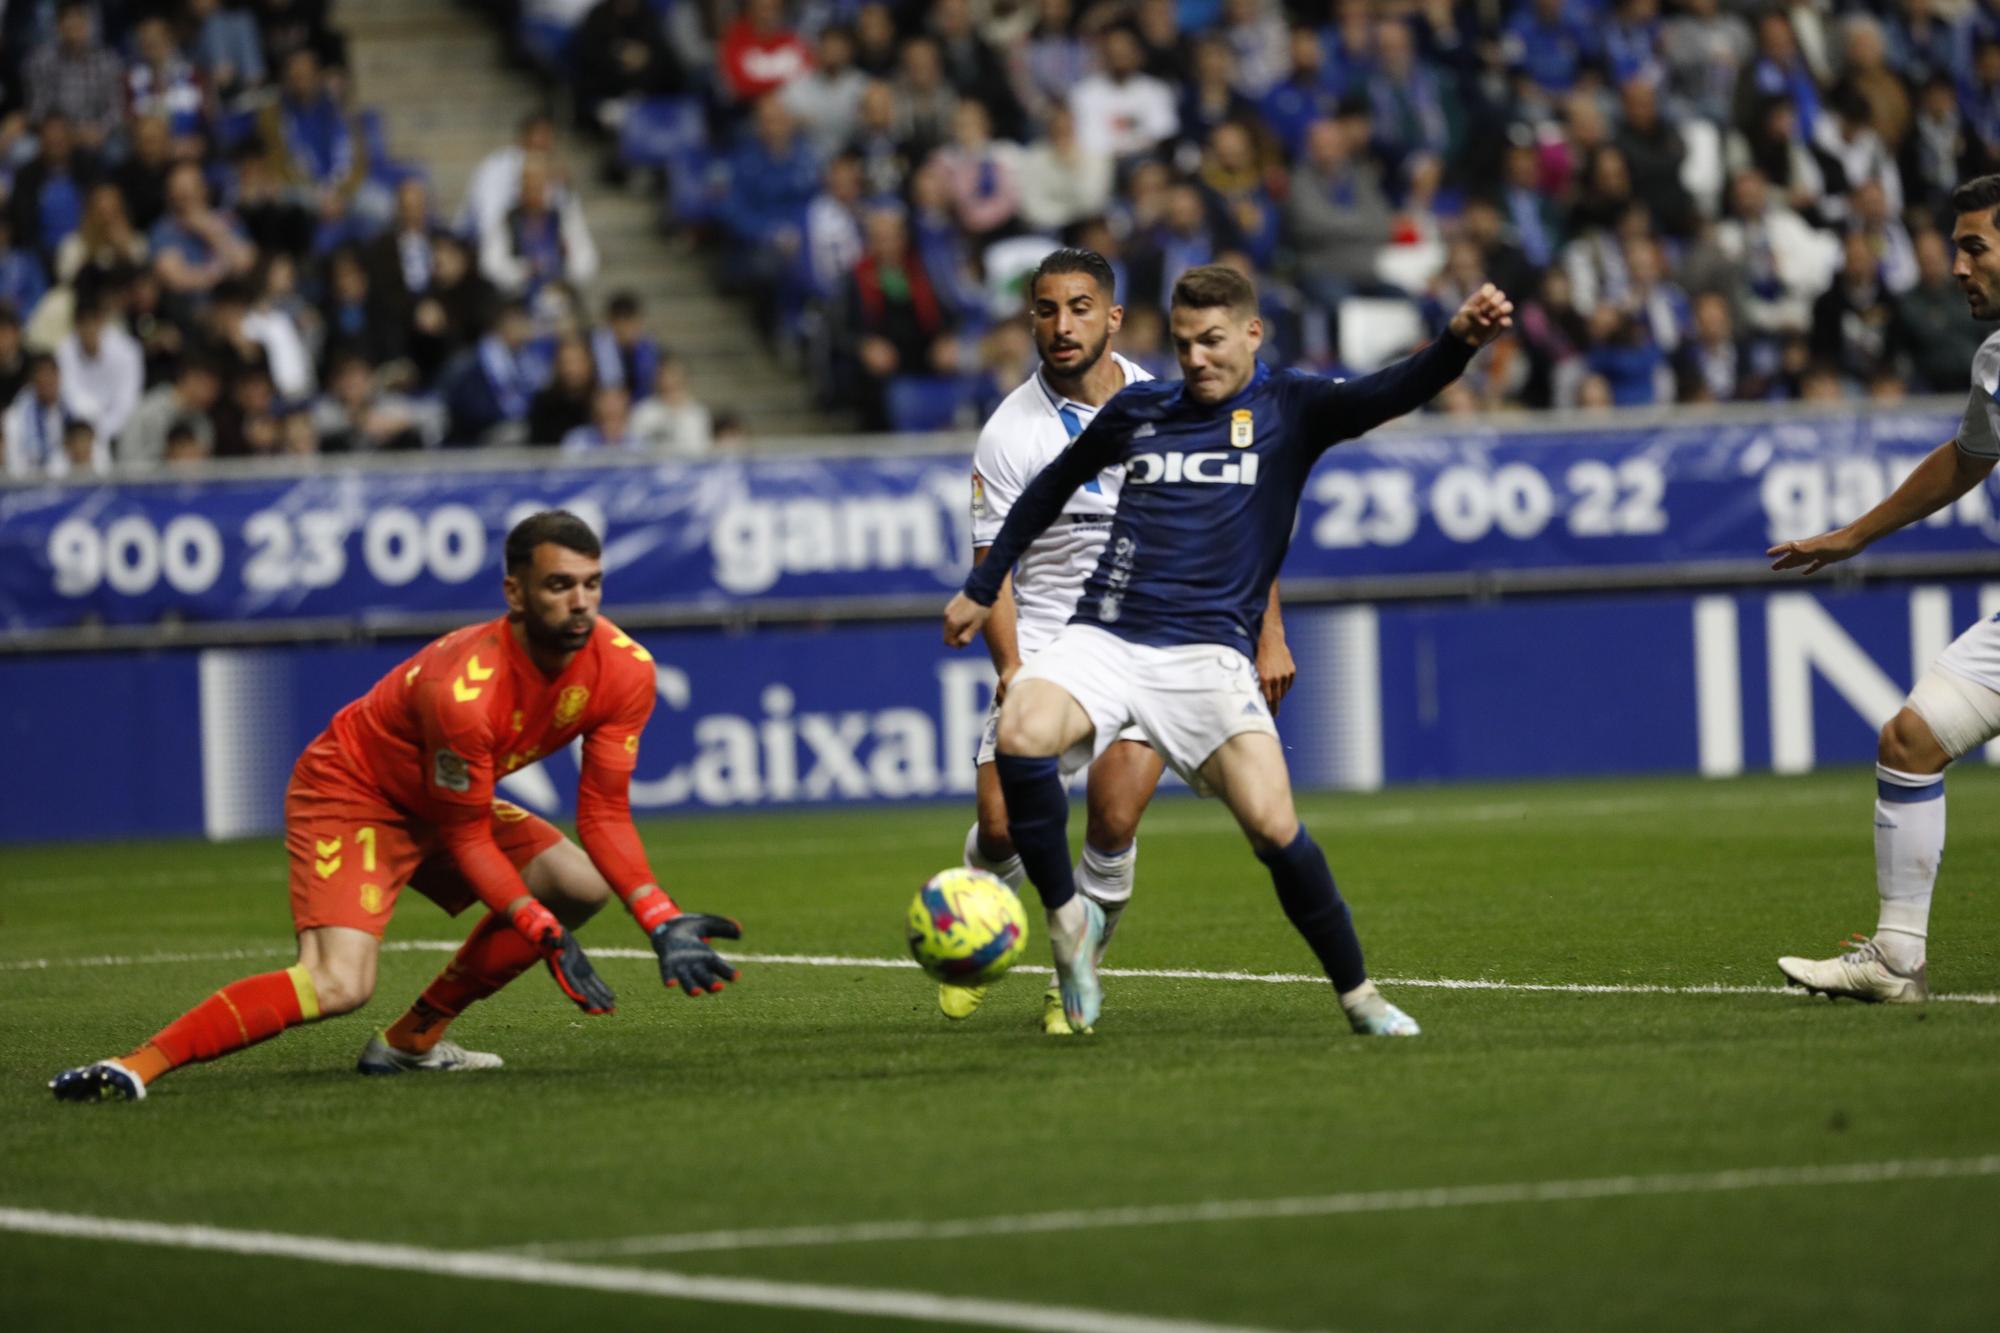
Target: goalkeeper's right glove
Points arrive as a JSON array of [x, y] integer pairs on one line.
[[565, 957]]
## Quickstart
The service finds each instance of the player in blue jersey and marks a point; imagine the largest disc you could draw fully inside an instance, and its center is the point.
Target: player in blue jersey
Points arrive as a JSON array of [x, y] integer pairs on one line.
[[1162, 636]]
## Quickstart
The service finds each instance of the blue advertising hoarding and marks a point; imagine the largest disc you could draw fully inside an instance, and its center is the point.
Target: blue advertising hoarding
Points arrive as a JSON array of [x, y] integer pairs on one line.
[[834, 534], [1785, 677]]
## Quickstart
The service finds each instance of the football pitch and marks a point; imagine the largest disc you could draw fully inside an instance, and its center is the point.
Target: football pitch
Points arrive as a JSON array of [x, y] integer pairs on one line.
[[1613, 1120]]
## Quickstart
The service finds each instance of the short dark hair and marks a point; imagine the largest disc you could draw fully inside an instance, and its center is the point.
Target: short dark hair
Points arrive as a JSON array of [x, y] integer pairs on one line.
[[1981, 194], [622, 305], [1071, 259], [1211, 285], [551, 525]]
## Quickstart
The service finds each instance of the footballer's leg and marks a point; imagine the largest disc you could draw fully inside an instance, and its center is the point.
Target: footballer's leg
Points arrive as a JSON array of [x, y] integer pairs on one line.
[[1040, 721], [347, 862], [559, 874], [1946, 716], [1248, 772], [335, 974], [1122, 783]]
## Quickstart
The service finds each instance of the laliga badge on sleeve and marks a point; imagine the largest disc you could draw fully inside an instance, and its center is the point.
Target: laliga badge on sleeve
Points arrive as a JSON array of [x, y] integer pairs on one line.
[[1242, 429], [451, 772], [978, 495]]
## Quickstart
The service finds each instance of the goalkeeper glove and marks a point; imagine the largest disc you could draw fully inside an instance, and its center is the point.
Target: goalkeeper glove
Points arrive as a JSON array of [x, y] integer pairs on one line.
[[565, 957], [685, 958]]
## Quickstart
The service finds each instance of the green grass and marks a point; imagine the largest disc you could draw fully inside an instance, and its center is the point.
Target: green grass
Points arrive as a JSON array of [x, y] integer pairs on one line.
[[835, 1094]]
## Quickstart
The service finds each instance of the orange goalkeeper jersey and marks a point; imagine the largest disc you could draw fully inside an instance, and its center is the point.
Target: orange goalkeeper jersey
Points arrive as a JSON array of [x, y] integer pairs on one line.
[[434, 735]]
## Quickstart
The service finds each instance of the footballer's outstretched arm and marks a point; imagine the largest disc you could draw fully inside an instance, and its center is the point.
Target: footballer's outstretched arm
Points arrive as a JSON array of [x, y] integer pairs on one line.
[[1343, 410], [1041, 503], [1947, 473]]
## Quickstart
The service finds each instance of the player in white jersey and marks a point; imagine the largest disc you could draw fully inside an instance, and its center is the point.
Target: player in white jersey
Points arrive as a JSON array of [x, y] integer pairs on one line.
[[1073, 314], [1955, 707]]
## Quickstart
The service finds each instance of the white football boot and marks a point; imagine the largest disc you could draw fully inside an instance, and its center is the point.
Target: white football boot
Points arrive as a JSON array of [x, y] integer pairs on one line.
[[1862, 973], [1372, 1016], [1074, 943], [447, 1057]]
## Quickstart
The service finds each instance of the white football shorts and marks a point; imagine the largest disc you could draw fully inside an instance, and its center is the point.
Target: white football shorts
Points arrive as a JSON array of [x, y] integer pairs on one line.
[[1184, 701], [1975, 654], [1071, 762]]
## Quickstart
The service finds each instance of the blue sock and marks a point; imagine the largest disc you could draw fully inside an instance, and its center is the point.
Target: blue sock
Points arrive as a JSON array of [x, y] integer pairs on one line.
[[1038, 822], [1316, 909]]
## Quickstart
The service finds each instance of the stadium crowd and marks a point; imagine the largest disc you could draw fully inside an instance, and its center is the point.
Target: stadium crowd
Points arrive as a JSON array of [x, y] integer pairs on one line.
[[206, 250], [1693, 200]]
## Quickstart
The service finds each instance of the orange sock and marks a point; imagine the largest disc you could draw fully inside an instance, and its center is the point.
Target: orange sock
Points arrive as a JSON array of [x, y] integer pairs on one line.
[[241, 1014], [493, 955]]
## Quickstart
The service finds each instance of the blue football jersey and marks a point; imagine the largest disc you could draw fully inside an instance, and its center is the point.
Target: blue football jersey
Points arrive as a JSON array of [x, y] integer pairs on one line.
[[1211, 492]]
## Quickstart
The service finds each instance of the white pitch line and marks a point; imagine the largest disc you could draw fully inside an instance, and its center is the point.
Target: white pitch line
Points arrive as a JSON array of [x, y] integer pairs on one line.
[[1257, 1210], [488, 1266], [905, 964]]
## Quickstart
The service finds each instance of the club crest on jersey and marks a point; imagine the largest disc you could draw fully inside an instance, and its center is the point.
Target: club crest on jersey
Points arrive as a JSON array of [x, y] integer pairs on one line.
[[1242, 428], [371, 898], [450, 771], [569, 704]]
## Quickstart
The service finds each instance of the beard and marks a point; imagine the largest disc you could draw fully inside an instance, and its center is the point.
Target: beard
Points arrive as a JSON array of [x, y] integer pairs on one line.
[[1091, 356], [565, 636]]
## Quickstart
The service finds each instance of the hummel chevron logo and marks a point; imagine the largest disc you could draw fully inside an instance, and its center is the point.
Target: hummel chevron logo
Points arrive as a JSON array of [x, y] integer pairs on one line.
[[476, 671]]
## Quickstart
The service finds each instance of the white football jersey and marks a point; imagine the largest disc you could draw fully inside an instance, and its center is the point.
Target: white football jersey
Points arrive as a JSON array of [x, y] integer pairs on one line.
[[1026, 432], [1979, 431]]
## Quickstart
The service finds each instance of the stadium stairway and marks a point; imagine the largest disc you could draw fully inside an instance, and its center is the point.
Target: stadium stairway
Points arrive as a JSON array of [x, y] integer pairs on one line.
[[447, 100]]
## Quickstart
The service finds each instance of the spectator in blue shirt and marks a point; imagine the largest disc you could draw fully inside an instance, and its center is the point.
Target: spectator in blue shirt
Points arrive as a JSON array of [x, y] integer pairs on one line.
[[627, 356], [1779, 70], [1407, 100], [23, 281], [1302, 97], [489, 399], [1632, 42], [773, 176], [47, 201], [1549, 46]]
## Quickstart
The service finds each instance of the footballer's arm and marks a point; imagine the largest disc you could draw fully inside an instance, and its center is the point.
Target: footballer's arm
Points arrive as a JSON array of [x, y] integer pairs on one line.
[[1041, 503], [1343, 410], [1003, 641], [604, 826], [1275, 669], [1947, 473]]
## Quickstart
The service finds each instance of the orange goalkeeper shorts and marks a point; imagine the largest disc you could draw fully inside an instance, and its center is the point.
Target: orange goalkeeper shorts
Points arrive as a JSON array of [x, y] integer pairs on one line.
[[350, 858]]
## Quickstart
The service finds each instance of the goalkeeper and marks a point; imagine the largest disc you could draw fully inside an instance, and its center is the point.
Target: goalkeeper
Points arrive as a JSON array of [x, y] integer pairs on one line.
[[399, 790]]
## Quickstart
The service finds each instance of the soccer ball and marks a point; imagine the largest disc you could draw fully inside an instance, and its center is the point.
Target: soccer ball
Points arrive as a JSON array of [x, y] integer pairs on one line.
[[966, 927]]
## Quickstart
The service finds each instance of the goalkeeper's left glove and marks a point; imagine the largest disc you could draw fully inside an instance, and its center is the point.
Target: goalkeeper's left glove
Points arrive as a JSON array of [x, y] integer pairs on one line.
[[686, 960]]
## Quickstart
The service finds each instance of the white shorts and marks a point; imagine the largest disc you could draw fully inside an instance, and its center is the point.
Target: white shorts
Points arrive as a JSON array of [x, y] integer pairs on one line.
[[1975, 654], [1072, 761], [1184, 701]]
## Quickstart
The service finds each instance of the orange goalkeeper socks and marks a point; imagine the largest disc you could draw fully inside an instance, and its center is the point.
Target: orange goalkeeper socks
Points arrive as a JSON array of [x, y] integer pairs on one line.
[[493, 955], [241, 1014]]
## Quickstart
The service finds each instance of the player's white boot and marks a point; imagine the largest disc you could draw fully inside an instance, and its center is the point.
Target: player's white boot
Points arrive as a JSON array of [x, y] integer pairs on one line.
[[959, 1002], [103, 1081], [1862, 973], [447, 1057], [1372, 1016], [1075, 929]]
